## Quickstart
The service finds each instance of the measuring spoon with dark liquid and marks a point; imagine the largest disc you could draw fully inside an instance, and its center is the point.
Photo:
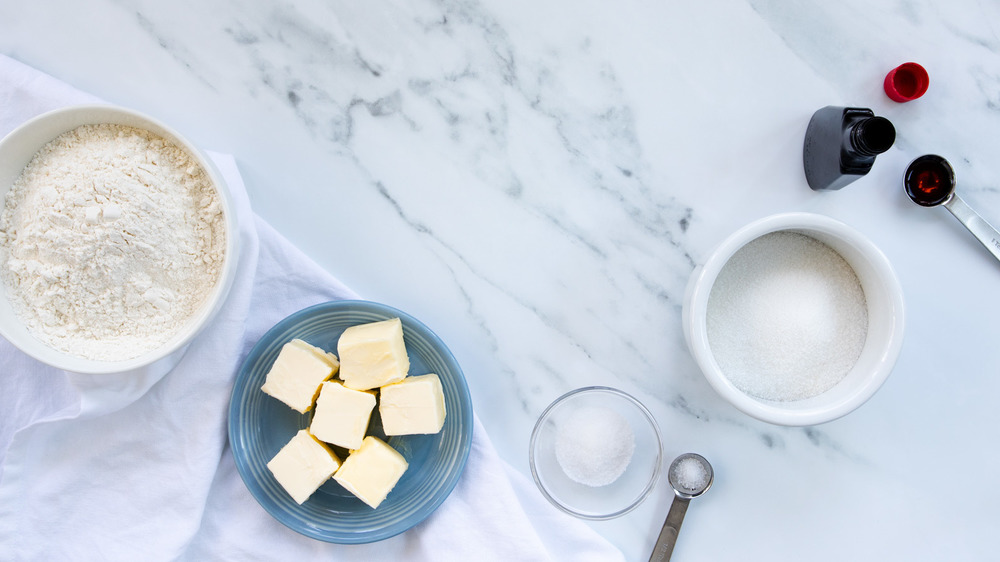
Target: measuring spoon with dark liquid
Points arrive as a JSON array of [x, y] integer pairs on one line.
[[930, 181]]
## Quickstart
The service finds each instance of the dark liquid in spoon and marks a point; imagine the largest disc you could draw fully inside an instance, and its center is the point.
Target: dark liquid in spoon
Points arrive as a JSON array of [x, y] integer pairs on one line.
[[929, 180]]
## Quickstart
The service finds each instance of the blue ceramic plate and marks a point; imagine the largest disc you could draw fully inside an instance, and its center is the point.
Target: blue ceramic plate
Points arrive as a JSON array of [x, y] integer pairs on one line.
[[260, 425]]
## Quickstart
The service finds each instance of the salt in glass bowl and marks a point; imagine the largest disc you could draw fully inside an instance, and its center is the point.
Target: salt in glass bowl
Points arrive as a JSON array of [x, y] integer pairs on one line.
[[596, 502], [17, 149], [883, 341]]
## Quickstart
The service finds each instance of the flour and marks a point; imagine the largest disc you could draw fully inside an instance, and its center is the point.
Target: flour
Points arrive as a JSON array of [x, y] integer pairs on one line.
[[110, 240]]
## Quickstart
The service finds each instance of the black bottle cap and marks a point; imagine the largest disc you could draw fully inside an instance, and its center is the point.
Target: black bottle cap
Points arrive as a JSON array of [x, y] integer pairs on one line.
[[873, 136]]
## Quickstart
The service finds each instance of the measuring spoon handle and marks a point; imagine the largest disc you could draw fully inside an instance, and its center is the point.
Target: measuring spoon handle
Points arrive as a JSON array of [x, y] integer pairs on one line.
[[978, 226], [671, 527]]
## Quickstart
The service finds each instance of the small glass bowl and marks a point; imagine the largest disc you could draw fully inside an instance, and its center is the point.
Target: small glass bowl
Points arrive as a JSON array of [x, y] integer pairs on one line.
[[603, 502]]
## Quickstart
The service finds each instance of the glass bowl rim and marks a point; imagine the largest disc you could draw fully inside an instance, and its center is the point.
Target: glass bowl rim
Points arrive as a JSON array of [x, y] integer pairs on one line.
[[657, 467]]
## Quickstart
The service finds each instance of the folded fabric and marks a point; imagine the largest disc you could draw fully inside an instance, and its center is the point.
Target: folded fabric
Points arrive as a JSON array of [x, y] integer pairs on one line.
[[93, 468]]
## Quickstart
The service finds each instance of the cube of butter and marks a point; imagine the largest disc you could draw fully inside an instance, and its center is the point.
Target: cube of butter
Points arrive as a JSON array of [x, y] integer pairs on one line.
[[372, 471], [412, 405], [297, 374], [342, 415], [373, 355], [303, 465]]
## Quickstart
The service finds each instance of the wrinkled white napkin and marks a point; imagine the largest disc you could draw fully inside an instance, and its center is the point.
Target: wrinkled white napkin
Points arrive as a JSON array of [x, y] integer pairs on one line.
[[99, 469]]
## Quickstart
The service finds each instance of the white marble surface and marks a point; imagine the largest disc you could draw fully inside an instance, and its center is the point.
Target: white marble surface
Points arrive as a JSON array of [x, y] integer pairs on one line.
[[536, 181]]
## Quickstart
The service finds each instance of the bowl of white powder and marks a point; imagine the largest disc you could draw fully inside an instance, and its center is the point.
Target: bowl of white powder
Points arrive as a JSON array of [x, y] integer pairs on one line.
[[117, 241], [595, 453], [796, 319]]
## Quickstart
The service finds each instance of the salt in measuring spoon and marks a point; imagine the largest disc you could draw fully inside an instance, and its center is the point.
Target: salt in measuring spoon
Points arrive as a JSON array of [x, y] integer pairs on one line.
[[690, 475], [930, 181]]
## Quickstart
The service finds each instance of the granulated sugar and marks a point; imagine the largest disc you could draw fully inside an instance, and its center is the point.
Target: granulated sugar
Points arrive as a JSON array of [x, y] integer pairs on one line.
[[594, 445], [787, 317], [690, 475], [111, 238]]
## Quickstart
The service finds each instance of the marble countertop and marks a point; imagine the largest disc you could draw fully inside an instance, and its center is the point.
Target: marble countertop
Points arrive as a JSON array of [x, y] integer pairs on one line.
[[536, 182]]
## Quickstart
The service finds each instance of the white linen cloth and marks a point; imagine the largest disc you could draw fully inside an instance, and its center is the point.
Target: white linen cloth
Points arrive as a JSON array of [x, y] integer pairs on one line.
[[99, 469]]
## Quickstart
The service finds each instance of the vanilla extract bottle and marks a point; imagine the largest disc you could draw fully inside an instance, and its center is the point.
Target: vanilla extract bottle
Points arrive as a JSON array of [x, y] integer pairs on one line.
[[841, 145]]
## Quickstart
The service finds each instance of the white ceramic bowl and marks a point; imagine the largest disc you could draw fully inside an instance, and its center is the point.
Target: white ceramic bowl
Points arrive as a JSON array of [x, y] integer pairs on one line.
[[884, 298], [17, 149]]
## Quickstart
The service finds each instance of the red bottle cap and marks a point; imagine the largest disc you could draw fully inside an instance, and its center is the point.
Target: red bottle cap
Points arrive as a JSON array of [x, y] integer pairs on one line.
[[906, 82]]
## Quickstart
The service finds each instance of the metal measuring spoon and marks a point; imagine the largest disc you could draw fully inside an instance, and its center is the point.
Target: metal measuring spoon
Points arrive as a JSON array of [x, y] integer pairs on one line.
[[930, 181], [690, 475]]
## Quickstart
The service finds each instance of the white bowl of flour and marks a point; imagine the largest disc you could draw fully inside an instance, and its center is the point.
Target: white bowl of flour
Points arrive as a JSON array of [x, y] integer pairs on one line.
[[117, 240], [796, 319]]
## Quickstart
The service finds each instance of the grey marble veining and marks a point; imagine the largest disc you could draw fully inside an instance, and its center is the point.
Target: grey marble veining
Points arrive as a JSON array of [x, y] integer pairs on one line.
[[536, 182]]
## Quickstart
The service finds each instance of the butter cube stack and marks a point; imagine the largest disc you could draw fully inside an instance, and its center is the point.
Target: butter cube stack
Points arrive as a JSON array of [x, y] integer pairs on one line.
[[373, 355], [303, 465], [297, 374], [342, 415], [415, 405], [373, 362], [372, 471]]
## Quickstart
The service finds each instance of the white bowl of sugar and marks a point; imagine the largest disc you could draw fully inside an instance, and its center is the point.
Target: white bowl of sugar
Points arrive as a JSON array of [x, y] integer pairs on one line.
[[117, 241], [795, 319]]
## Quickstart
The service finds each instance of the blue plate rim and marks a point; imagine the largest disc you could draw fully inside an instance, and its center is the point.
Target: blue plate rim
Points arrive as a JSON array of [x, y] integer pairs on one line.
[[291, 320]]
